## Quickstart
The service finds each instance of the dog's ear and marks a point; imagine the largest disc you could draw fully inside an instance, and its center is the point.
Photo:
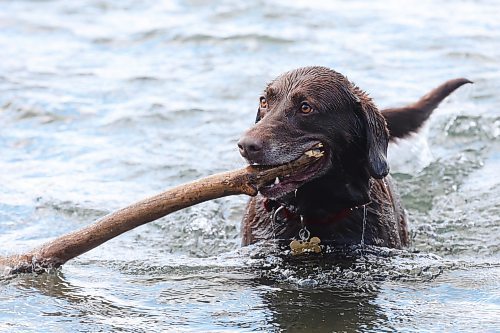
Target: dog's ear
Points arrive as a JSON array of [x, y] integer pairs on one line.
[[377, 136]]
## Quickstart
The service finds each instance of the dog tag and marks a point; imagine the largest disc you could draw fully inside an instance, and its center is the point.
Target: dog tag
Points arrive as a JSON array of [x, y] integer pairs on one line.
[[299, 247]]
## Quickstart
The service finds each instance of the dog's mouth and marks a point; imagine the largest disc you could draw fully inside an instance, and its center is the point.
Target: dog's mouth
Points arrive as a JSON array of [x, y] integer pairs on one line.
[[290, 182]]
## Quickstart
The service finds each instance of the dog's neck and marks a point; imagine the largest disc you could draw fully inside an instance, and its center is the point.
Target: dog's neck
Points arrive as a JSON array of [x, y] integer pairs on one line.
[[328, 194]]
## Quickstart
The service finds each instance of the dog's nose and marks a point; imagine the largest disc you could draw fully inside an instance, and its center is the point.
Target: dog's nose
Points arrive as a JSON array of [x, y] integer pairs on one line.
[[250, 148]]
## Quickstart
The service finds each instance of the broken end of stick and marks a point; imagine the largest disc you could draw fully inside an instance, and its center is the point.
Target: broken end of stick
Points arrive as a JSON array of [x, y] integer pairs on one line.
[[22, 263], [26, 263]]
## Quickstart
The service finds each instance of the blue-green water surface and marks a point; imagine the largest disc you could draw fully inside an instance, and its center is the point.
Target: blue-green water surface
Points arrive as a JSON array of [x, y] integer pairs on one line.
[[105, 102]]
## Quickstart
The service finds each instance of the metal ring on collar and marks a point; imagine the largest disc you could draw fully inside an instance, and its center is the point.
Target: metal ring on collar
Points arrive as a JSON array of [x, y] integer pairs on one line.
[[304, 234], [275, 213]]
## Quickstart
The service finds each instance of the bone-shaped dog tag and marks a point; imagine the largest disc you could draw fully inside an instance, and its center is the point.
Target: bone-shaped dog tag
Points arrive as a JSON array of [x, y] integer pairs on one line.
[[299, 247]]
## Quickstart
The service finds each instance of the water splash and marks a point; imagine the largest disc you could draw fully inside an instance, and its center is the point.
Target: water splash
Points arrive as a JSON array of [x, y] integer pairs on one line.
[[360, 267]]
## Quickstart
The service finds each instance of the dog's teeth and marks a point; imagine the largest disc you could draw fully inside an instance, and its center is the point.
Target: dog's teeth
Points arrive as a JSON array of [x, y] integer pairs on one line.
[[314, 153], [276, 181], [320, 145]]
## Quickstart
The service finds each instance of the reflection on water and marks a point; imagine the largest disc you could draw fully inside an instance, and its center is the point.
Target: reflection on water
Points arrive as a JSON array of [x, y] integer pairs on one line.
[[103, 103]]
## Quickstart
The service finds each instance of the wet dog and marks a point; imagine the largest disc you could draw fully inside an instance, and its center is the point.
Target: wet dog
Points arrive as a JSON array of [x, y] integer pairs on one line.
[[348, 193]]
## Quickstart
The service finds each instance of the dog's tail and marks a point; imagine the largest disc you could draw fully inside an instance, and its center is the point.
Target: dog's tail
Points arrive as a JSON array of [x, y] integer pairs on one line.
[[406, 120]]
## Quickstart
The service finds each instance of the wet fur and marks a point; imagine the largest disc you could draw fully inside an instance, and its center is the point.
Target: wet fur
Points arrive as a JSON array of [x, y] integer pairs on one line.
[[356, 134]]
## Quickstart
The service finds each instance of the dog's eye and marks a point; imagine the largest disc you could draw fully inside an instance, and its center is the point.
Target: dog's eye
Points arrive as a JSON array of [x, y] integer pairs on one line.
[[263, 103], [306, 108]]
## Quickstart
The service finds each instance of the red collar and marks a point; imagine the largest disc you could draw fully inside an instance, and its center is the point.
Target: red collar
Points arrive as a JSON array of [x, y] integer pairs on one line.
[[288, 214]]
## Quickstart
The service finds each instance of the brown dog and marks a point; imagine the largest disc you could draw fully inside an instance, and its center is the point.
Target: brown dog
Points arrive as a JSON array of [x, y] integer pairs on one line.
[[347, 194]]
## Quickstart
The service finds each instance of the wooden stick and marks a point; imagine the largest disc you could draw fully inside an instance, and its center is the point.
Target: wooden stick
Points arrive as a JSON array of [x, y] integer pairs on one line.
[[55, 253]]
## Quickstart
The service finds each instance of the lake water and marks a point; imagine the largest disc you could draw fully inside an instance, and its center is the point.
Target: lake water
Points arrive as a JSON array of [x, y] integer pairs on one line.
[[103, 103]]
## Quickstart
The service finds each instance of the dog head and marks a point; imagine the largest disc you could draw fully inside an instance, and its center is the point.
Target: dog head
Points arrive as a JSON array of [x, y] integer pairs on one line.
[[317, 109]]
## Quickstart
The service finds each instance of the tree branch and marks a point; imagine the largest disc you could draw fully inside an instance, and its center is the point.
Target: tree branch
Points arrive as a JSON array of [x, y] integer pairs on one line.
[[57, 252]]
